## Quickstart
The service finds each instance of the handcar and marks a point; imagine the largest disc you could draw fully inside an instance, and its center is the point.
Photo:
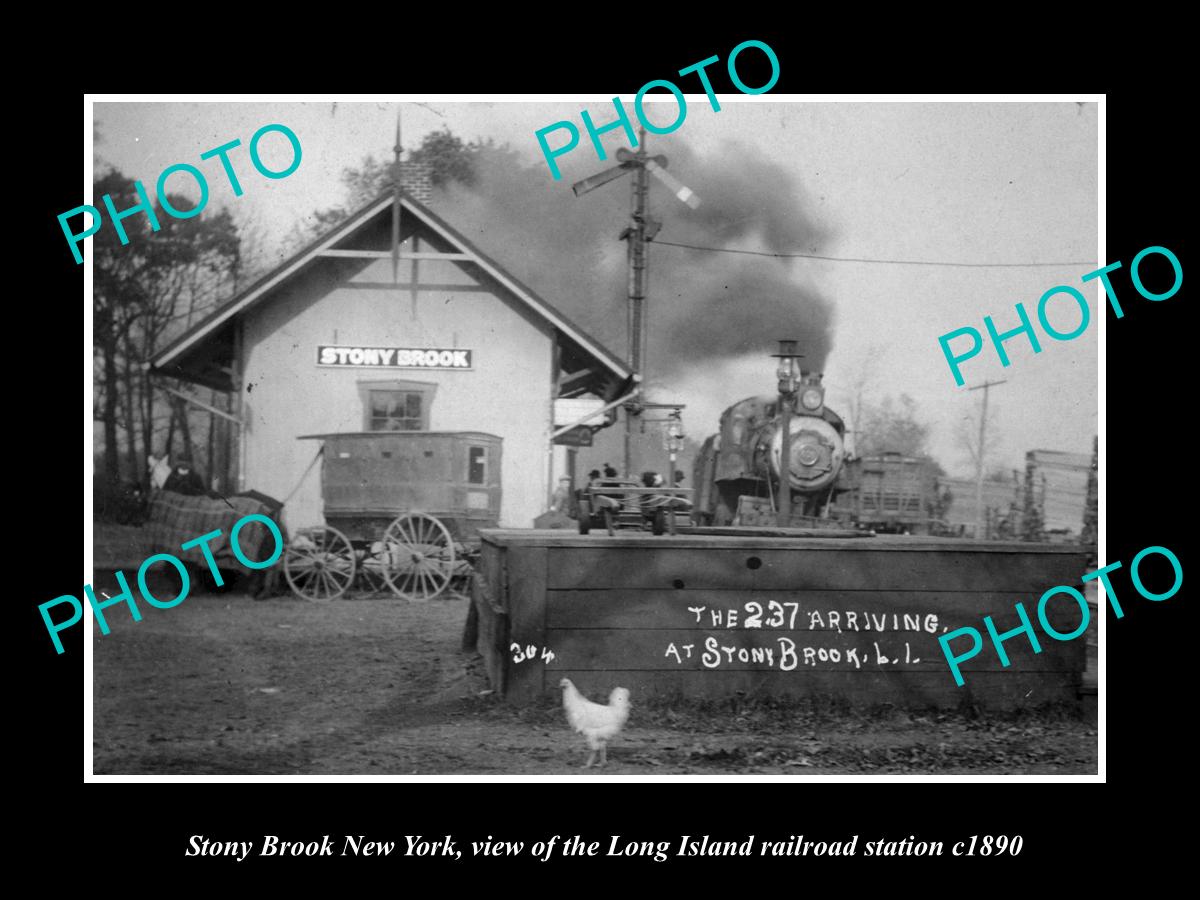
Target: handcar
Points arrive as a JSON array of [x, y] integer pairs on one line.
[[618, 504]]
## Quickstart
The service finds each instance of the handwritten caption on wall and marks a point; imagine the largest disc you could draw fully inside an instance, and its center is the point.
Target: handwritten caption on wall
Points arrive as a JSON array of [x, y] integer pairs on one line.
[[529, 652], [741, 640]]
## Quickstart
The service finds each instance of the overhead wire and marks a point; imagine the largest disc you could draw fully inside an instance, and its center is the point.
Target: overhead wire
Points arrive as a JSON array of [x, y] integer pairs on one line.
[[890, 262]]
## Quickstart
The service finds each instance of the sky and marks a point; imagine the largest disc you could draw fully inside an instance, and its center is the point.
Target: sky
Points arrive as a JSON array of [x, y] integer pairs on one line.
[[948, 182]]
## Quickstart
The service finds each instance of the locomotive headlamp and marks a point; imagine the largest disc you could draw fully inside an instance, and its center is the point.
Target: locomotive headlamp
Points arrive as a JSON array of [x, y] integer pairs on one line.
[[812, 398], [788, 370]]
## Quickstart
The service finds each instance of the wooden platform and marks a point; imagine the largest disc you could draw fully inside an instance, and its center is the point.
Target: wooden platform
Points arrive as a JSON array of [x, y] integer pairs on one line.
[[713, 615]]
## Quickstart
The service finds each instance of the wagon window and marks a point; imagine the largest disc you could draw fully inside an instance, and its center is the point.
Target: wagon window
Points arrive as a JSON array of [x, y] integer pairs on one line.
[[477, 465], [395, 411]]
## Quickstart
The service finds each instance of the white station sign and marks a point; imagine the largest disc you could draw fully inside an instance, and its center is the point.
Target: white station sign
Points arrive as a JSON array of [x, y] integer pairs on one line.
[[393, 357]]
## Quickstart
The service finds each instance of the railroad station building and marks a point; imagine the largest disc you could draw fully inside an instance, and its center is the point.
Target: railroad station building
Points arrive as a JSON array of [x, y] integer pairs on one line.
[[349, 336]]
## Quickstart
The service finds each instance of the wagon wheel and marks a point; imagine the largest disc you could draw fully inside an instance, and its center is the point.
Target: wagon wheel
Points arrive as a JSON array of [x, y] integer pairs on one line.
[[659, 523], [585, 516], [319, 563], [420, 557], [372, 568]]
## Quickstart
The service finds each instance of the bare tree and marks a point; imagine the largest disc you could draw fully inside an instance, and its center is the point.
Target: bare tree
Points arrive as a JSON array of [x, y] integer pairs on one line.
[[254, 250], [893, 424], [145, 291], [966, 434], [860, 387]]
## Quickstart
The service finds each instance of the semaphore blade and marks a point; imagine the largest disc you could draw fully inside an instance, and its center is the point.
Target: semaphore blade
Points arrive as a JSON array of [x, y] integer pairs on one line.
[[595, 181], [686, 194]]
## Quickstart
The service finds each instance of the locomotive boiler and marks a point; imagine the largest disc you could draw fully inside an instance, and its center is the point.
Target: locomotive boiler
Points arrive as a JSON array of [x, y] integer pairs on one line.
[[739, 470]]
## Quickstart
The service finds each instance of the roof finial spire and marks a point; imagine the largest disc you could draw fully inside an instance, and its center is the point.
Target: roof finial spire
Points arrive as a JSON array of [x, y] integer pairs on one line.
[[396, 204]]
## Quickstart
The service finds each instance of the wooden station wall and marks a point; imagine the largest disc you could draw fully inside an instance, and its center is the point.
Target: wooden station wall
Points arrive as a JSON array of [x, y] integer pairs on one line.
[[714, 616]]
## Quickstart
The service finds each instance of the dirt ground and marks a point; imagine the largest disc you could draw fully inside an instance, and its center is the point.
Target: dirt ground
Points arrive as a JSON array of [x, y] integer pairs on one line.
[[223, 684]]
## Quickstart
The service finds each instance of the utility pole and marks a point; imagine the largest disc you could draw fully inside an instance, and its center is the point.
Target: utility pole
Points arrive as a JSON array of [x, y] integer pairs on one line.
[[788, 372], [1088, 535], [638, 264], [641, 230], [979, 531]]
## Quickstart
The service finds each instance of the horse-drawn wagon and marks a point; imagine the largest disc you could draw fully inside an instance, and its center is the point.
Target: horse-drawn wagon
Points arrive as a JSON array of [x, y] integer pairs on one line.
[[402, 512]]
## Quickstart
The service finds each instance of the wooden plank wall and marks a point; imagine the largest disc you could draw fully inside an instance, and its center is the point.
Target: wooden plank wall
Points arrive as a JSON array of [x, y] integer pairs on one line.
[[488, 599], [842, 622]]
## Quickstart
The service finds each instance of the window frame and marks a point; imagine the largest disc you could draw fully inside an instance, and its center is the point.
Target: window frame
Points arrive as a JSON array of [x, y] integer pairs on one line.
[[425, 389], [483, 462]]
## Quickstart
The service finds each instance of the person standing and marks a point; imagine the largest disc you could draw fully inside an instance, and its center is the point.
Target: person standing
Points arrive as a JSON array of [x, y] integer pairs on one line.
[[562, 496]]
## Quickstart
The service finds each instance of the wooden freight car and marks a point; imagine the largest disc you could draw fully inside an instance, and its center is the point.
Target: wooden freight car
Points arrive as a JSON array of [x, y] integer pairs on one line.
[[890, 494], [719, 615]]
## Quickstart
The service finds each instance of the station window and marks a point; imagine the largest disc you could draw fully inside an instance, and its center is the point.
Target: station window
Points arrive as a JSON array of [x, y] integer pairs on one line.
[[396, 405], [477, 465], [395, 411]]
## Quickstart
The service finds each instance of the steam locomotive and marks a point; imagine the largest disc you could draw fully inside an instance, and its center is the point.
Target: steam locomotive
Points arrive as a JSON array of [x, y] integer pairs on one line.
[[738, 470]]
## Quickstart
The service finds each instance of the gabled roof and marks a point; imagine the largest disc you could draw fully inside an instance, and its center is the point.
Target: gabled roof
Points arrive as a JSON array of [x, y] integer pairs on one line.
[[261, 289]]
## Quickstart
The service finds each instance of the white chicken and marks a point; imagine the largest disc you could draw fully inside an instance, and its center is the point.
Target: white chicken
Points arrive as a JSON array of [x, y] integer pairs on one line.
[[596, 722]]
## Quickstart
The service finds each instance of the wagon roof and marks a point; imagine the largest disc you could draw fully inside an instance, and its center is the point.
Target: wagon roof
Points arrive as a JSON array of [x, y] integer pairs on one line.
[[192, 355]]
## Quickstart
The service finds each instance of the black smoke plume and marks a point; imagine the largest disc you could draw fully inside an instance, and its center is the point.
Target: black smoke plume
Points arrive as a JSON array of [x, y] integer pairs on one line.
[[702, 305]]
